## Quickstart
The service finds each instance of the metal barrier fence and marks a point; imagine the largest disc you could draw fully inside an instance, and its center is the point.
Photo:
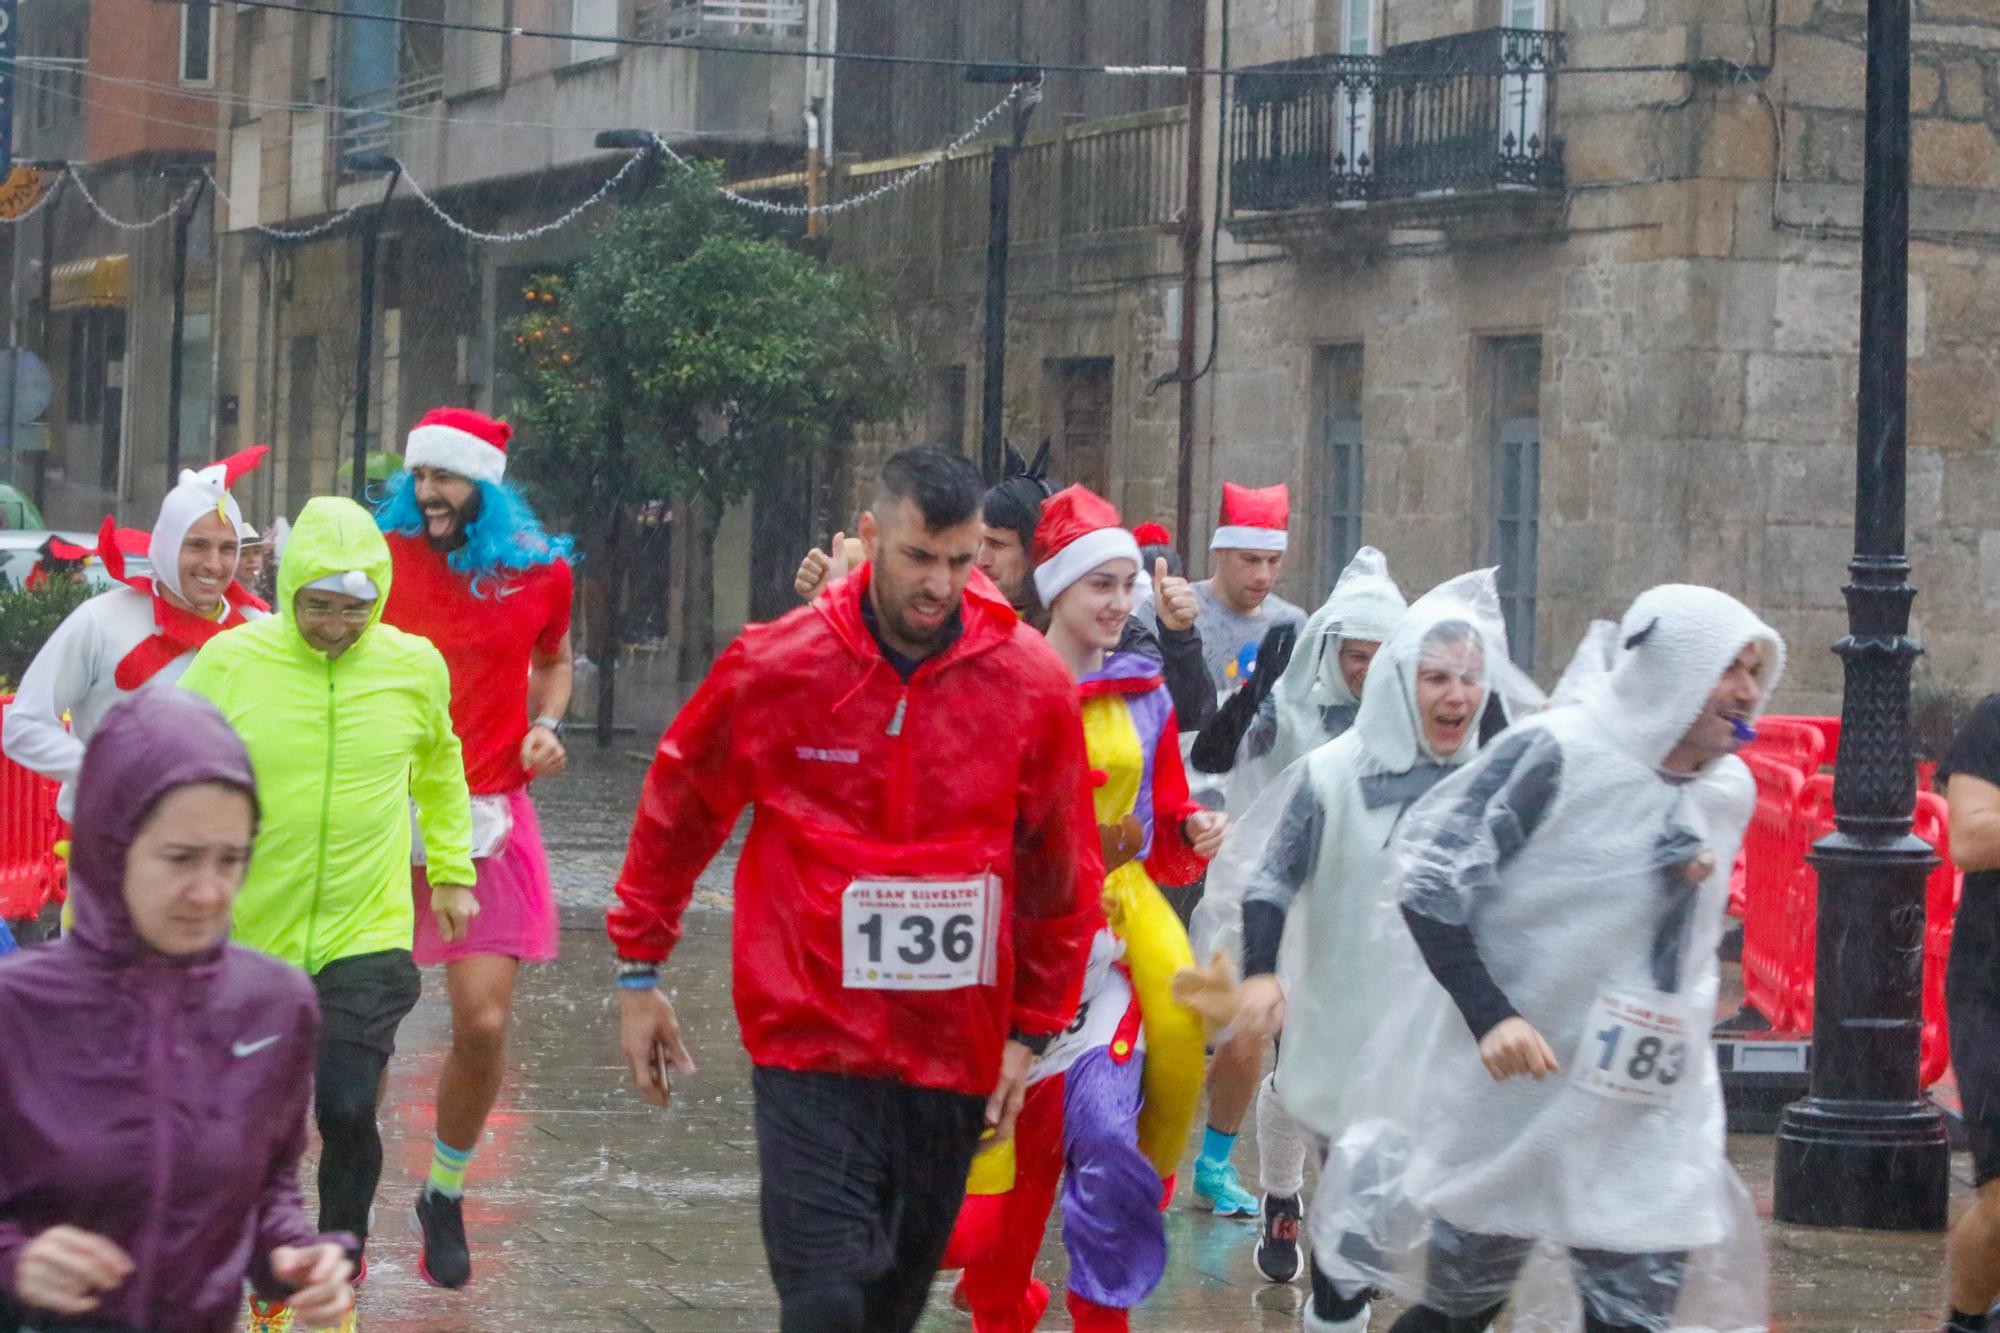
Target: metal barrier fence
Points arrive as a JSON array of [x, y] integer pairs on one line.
[[1776, 891], [31, 874]]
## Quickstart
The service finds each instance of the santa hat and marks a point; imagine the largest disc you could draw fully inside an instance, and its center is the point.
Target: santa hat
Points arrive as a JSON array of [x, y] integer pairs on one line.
[[1252, 520], [195, 495], [1152, 534], [459, 440], [1079, 531]]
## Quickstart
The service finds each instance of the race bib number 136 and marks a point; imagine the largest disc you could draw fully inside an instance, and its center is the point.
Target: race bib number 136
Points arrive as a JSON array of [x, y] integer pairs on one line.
[[919, 934], [1635, 1047]]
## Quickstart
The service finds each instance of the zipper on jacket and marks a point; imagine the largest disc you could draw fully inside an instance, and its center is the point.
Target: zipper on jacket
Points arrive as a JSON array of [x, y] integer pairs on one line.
[[325, 817], [159, 1075], [901, 817]]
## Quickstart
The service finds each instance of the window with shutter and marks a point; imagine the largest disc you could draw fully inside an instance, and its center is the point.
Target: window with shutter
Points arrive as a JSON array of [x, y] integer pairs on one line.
[[474, 61], [246, 174], [1516, 496], [1337, 465]]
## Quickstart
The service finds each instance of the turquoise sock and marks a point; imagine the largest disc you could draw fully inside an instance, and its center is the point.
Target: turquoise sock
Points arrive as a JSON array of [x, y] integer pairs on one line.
[[1216, 1144], [448, 1170]]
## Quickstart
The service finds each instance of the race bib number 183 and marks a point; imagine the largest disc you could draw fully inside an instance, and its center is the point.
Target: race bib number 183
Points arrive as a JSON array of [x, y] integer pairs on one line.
[[1635, 1047], [919, 934]]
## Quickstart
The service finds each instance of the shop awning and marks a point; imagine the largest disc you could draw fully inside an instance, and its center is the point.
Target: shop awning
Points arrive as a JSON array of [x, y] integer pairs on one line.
[[84, 283]]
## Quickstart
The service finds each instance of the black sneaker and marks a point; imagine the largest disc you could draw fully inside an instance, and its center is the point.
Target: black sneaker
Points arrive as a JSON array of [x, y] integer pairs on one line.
[[446, 1262], [1278, 1257]]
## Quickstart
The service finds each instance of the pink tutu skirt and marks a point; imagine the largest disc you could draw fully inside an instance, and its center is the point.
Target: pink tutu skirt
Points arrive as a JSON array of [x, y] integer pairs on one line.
[[517, 903]]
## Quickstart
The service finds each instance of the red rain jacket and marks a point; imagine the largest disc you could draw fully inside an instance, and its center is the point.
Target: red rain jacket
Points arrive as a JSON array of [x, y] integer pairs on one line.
[[977, 762]]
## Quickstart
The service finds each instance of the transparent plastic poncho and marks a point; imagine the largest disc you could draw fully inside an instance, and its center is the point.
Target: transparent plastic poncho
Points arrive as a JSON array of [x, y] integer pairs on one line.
[[1593, 888], [1311, 703], [1389, 724]]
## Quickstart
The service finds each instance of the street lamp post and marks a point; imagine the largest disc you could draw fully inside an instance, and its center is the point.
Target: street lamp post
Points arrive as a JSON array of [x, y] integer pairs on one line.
[[1864, 1149], [999, 209], [368, 164]]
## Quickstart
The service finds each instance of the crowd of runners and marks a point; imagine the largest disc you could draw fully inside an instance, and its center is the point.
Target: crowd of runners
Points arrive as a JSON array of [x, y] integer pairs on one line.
[[1053, 852]]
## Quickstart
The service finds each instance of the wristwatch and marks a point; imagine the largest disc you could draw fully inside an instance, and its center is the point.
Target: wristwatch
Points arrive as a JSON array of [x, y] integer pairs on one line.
[[1035, 1045], [554, 724], [633, 974]]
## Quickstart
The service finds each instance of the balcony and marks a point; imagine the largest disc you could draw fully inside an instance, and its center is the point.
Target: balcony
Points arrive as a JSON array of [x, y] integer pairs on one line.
[[368, 124], [1428, 127]]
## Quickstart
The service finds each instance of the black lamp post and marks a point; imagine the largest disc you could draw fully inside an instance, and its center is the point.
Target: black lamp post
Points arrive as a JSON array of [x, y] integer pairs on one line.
[[1864, 1149], [999, 208], [368, 164]]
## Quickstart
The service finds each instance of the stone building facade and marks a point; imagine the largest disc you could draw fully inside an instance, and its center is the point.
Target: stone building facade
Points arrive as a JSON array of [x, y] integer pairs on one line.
[[1621, 351]]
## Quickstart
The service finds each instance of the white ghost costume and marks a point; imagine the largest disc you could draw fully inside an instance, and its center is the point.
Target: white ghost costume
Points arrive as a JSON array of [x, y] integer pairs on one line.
[[1326, 869], [1309, 706], [1550, 879]]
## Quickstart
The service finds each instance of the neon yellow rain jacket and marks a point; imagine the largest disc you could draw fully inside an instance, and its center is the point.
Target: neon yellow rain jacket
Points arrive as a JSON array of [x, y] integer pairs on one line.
[[340, 747]]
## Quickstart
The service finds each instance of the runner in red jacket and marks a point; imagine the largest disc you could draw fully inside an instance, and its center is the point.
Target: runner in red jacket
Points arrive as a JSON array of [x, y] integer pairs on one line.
[[914, 904]]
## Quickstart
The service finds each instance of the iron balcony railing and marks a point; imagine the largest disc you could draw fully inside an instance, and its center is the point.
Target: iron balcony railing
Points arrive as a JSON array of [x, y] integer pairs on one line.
[[367, 124], [1464, 114]]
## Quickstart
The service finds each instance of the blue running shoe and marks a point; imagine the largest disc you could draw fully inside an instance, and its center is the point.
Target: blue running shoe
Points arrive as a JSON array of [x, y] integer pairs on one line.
[[1217, 1189]]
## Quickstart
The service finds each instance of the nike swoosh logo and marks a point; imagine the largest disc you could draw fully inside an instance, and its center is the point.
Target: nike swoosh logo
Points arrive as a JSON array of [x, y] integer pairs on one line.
[[243, 1048], [509, 590]]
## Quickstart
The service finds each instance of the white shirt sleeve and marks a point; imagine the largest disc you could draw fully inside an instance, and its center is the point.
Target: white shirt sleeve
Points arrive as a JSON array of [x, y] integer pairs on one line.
[[59, 678]]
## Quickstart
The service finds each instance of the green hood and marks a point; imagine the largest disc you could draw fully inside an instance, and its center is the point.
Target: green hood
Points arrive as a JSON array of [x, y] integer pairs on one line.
[[332, 536], [340, 747]]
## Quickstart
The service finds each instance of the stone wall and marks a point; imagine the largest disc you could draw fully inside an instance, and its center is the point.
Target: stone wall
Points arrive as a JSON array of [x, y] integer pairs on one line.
[[1699, 336], [1696, 291]]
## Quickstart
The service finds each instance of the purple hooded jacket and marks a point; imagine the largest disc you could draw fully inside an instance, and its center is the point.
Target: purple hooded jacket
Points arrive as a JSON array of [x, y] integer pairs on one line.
[[159, 1102]]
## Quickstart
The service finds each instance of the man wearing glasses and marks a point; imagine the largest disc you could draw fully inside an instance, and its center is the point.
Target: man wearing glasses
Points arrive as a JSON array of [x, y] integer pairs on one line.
[[347, 721]]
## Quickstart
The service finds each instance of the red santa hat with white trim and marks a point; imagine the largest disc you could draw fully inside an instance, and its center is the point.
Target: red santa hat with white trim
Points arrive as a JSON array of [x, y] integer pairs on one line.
[[1253, 520], [1079, 531], [459, 440]]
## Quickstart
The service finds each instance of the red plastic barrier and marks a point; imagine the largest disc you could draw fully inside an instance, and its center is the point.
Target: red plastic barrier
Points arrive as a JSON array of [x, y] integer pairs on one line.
[[1780, 891], [1795, 741], [1773, 849], [1941, 895], [31, 874]]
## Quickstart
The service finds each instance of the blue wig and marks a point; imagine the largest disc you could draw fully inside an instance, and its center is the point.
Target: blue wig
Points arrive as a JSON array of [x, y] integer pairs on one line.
[[505, 537]]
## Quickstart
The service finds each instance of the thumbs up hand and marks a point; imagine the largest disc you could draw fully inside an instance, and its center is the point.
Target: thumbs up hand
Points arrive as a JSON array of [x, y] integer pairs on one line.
[[1173, 598], [819, 569]]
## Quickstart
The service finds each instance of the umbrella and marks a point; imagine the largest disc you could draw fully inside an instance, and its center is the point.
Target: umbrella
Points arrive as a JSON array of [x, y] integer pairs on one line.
[[18, 511], [381, 467]]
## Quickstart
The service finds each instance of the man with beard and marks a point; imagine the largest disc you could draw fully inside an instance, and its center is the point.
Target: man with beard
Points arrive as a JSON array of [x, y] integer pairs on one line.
[[1008, 515], [477, 576], [914, 905]]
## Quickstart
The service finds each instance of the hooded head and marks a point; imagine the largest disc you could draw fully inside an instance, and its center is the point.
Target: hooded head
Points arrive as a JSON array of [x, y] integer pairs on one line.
[[1671, 650], [334, 539], [196, 496], [1444, 657], [1365, 605], [144, 748]]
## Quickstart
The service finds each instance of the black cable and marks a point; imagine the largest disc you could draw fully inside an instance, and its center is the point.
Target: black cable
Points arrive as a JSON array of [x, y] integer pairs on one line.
[[869, 57]]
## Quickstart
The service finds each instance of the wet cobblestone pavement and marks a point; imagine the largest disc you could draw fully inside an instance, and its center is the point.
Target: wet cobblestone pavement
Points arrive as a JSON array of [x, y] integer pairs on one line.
[[592, 1213]]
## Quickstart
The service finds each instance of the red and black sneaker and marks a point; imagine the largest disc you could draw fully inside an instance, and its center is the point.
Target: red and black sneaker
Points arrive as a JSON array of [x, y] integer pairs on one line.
[[1278, 1257]]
